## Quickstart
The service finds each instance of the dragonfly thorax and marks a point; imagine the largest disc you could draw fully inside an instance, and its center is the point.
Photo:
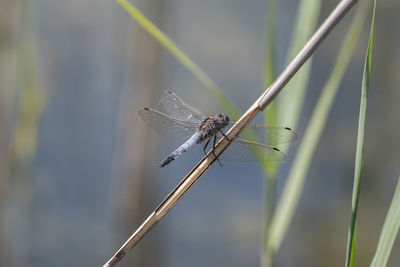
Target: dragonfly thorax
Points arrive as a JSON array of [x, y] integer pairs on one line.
[[212, 125]]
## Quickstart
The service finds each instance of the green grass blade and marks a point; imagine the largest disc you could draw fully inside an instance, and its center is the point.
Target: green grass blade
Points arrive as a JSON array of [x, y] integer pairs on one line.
[[353, 249], [184, 59], [389, 231], [270, 168], [293, 95], [294, 186], [307, 18], [351, 242]]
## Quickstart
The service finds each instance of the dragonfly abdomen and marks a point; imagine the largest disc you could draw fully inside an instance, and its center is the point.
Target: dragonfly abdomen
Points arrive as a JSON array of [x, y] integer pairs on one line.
[[194, 139]]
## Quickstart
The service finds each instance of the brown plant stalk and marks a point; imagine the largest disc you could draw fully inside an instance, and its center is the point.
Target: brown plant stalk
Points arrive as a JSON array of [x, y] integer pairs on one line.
[[259, 105]]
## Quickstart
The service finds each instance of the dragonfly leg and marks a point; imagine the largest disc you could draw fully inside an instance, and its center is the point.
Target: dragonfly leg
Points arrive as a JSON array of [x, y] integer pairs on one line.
[[224, 135], [215, 139], [205, 146]]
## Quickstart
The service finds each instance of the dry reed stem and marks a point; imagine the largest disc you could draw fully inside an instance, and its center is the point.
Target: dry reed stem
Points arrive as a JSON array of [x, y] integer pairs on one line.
[[259, 105]]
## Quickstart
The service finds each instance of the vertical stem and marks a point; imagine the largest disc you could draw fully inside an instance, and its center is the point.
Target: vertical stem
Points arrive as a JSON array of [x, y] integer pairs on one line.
[[266, 259], [9, 14], [140, 49], [269, 168]]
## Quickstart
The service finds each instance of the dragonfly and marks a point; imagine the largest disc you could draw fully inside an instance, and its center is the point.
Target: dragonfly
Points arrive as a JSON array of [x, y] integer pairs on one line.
[[180, 122]]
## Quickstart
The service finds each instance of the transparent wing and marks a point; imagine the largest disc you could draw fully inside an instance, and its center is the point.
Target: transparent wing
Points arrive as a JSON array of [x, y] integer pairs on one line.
[[268, 135], [173, 106], [164, 124], [245, 150]]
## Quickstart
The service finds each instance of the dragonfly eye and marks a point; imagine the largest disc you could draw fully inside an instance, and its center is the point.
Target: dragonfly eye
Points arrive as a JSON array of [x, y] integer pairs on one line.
[[224, 118]]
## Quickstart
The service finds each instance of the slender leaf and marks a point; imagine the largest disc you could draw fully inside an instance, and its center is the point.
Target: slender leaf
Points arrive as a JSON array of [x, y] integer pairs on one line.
[[294, 186], [269, 168], [184, 59], [389, 231], [351, 243]]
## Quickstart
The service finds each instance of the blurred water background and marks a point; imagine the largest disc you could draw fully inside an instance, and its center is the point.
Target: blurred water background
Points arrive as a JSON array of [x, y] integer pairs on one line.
[[78, 170]]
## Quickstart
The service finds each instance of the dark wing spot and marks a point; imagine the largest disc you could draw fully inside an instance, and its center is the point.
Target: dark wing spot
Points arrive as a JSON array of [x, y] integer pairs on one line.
[[146, 108], [287, 128], [274, 148]]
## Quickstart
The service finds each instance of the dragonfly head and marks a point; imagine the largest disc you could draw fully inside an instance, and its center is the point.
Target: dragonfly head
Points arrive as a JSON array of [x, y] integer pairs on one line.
[[222, 120]]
